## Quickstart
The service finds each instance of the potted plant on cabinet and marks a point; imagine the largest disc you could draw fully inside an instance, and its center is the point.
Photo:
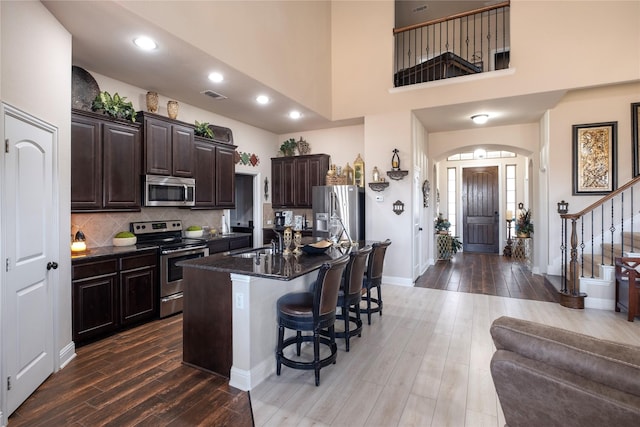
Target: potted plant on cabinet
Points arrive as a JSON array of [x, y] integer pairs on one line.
[[288, 147], [202, 129], [115, 106]]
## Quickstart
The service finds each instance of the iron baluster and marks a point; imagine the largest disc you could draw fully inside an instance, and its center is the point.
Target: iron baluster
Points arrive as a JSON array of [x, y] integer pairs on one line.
[[612, 228], [592, 245], [582, 247]]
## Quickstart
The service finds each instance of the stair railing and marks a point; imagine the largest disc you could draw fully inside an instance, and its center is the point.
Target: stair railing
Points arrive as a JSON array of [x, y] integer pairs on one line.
[[593, 235]]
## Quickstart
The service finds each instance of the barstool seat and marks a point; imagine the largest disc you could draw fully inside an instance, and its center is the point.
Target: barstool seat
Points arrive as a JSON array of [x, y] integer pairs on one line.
[[311, 311]]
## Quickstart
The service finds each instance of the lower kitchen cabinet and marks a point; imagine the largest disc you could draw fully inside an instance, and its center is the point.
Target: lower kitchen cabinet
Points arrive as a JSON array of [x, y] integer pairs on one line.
[[111, 293]]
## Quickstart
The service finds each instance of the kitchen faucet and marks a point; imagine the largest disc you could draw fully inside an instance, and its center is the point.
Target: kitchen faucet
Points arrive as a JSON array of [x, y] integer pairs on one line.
[[277, 248]]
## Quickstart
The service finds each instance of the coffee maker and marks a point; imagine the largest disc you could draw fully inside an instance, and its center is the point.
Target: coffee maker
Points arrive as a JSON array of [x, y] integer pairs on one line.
[[279, 220]]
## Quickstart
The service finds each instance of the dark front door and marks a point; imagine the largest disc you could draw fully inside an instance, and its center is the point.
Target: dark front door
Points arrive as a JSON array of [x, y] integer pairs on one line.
[[480, 209]]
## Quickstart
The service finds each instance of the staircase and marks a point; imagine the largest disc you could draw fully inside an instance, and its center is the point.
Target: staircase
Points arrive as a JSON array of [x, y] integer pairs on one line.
[[592, 239]]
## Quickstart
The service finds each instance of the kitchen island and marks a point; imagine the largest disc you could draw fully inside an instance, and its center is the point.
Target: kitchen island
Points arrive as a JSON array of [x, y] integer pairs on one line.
[[229, 316]]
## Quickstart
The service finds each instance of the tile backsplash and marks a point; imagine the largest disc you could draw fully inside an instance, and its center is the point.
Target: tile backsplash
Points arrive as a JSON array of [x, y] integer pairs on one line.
[[99, 228]]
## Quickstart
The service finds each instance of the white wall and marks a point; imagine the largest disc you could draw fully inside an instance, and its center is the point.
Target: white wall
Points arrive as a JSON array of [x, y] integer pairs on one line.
[[35, 69]]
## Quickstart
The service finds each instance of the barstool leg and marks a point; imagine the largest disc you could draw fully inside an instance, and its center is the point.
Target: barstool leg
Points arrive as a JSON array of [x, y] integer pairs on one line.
[[359, 321], [298, 341], [345, 314], [380, 300], [369, 305], [279, 352], [316, 355]]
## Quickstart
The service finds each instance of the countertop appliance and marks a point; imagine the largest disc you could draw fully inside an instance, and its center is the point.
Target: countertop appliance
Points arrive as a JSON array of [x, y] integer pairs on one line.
[[345, 202], [173, 248], [169, 191]]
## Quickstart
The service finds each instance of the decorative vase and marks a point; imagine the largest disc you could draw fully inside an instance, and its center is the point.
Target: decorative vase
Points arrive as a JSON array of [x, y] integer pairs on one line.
[[286, 241], [297, 242], [172, 109], [152, 102]]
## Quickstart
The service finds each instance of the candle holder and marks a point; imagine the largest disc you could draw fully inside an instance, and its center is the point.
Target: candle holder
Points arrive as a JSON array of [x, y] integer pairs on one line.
[[286, 241], [508, 249], [297, 242]]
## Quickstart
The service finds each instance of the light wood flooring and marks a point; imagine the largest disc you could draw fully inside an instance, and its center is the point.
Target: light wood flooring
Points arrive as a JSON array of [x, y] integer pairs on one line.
[[425, 362]]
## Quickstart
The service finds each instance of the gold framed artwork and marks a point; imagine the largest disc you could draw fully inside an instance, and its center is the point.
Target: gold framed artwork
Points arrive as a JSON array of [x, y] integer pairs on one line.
[[635, 137], [594, 158]]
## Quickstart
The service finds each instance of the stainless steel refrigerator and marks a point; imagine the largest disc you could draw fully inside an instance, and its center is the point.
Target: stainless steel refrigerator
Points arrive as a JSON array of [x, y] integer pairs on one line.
[[345, 202]]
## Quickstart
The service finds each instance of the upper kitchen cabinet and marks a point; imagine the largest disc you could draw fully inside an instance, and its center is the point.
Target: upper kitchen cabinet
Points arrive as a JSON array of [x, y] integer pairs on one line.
[[168, 146], [214, 171], [293, 177], [105, 163]]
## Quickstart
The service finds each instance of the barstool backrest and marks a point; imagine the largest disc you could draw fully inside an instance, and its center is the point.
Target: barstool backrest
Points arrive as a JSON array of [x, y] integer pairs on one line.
[[376, 260], [327, 286], [355, 270]]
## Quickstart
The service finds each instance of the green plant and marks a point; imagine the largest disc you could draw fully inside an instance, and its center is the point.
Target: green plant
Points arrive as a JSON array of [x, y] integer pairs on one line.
[[202, 129], [523, 223], [115, 106], [456, 244], [288, 147], [441, 223]]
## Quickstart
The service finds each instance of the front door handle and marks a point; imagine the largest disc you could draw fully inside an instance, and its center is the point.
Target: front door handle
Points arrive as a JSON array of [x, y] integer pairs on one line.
[[52, 265]]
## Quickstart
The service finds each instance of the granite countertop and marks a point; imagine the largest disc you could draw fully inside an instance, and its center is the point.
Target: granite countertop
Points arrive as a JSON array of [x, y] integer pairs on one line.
[[269, 266], [105, 251]]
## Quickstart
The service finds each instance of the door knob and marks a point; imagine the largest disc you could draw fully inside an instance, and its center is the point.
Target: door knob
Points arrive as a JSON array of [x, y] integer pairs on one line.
[[420, 229], [51, 265]]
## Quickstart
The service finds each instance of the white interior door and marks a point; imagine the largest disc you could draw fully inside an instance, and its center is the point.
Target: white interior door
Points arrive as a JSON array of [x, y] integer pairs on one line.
[[30, 253]]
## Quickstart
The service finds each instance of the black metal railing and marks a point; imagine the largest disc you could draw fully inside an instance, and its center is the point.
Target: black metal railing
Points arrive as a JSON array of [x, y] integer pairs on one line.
[[466, 43], [597, 235]]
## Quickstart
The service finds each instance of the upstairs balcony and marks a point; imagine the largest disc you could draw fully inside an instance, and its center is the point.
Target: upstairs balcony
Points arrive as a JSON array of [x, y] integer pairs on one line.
[[466, 43]]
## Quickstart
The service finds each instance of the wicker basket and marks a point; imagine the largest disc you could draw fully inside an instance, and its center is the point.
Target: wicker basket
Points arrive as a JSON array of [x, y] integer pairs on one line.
[[336, 180]]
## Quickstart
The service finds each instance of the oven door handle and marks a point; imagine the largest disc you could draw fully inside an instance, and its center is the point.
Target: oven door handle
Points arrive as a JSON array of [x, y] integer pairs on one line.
[[189, 249]]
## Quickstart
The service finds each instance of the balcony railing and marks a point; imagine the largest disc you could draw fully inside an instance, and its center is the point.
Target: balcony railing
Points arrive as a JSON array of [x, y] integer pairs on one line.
[[466, 43]]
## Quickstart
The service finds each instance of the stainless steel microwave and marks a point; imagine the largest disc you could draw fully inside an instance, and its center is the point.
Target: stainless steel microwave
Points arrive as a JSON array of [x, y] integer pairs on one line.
[[169, 191]]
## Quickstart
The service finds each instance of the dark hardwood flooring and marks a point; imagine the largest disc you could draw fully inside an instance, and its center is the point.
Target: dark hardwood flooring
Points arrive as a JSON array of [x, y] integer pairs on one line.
[[135, 378], [489, 274]]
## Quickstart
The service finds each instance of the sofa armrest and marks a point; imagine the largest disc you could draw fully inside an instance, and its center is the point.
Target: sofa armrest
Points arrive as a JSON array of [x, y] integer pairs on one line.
[[611, 364], [534, 394]]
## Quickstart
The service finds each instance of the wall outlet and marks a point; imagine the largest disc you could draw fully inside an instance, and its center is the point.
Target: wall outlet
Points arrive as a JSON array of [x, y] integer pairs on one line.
[[239, 301], [379, 198], [269, 222]]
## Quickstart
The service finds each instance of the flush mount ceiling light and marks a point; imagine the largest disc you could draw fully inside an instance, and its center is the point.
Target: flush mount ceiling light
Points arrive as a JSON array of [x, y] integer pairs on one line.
[[262, 99], [480, 119], [145, 43], [216, 77], [295, 115]]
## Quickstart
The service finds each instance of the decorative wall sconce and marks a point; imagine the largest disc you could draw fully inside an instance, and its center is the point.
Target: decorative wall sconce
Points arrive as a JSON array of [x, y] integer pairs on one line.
[[395, 172], [266, 189], [398, 207], [563, 207], [395, 160]]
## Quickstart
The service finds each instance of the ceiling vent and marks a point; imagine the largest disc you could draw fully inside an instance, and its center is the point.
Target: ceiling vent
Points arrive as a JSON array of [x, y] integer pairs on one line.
[[214, 95]]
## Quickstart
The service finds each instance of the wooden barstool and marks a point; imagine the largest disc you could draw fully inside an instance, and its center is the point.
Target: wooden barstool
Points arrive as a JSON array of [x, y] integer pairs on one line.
[[351, 293], [373, 278], [311, 311]]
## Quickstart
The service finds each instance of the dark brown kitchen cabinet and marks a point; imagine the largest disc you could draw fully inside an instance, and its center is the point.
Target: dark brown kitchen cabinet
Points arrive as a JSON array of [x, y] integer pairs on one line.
[[214, 171], [138, 288], [113, 292], [105, 161], [293, 177], [94, 299], [168, 146]]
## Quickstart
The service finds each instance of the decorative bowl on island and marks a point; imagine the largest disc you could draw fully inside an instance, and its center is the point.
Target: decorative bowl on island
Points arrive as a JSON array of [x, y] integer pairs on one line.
[[317, 248]]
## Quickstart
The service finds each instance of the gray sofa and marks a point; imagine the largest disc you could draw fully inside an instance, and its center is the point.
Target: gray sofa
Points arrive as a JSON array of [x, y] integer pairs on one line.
[[547, 376]]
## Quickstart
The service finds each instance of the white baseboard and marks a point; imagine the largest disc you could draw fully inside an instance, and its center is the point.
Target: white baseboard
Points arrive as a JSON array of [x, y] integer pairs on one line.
[[67, 354], [248, 380]]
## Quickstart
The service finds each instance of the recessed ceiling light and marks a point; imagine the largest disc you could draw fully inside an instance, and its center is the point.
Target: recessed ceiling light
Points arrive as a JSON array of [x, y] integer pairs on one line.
[[216, 77], [262, 99], [295, 115], [480, 119], [145, 43]]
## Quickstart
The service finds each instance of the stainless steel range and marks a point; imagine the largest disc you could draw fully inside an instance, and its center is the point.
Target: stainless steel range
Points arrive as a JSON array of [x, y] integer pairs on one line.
[[173, 248]]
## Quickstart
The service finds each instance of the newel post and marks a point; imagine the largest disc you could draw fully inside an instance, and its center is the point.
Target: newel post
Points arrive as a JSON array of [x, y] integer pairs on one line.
[[572, 297]]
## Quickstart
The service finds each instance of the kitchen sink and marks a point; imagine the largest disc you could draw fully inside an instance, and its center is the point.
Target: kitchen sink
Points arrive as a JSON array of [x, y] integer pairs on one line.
[[253, 253]]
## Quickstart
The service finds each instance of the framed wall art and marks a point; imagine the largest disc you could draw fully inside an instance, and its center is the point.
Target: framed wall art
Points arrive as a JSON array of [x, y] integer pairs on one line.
[[594, 158], [635, 140]]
